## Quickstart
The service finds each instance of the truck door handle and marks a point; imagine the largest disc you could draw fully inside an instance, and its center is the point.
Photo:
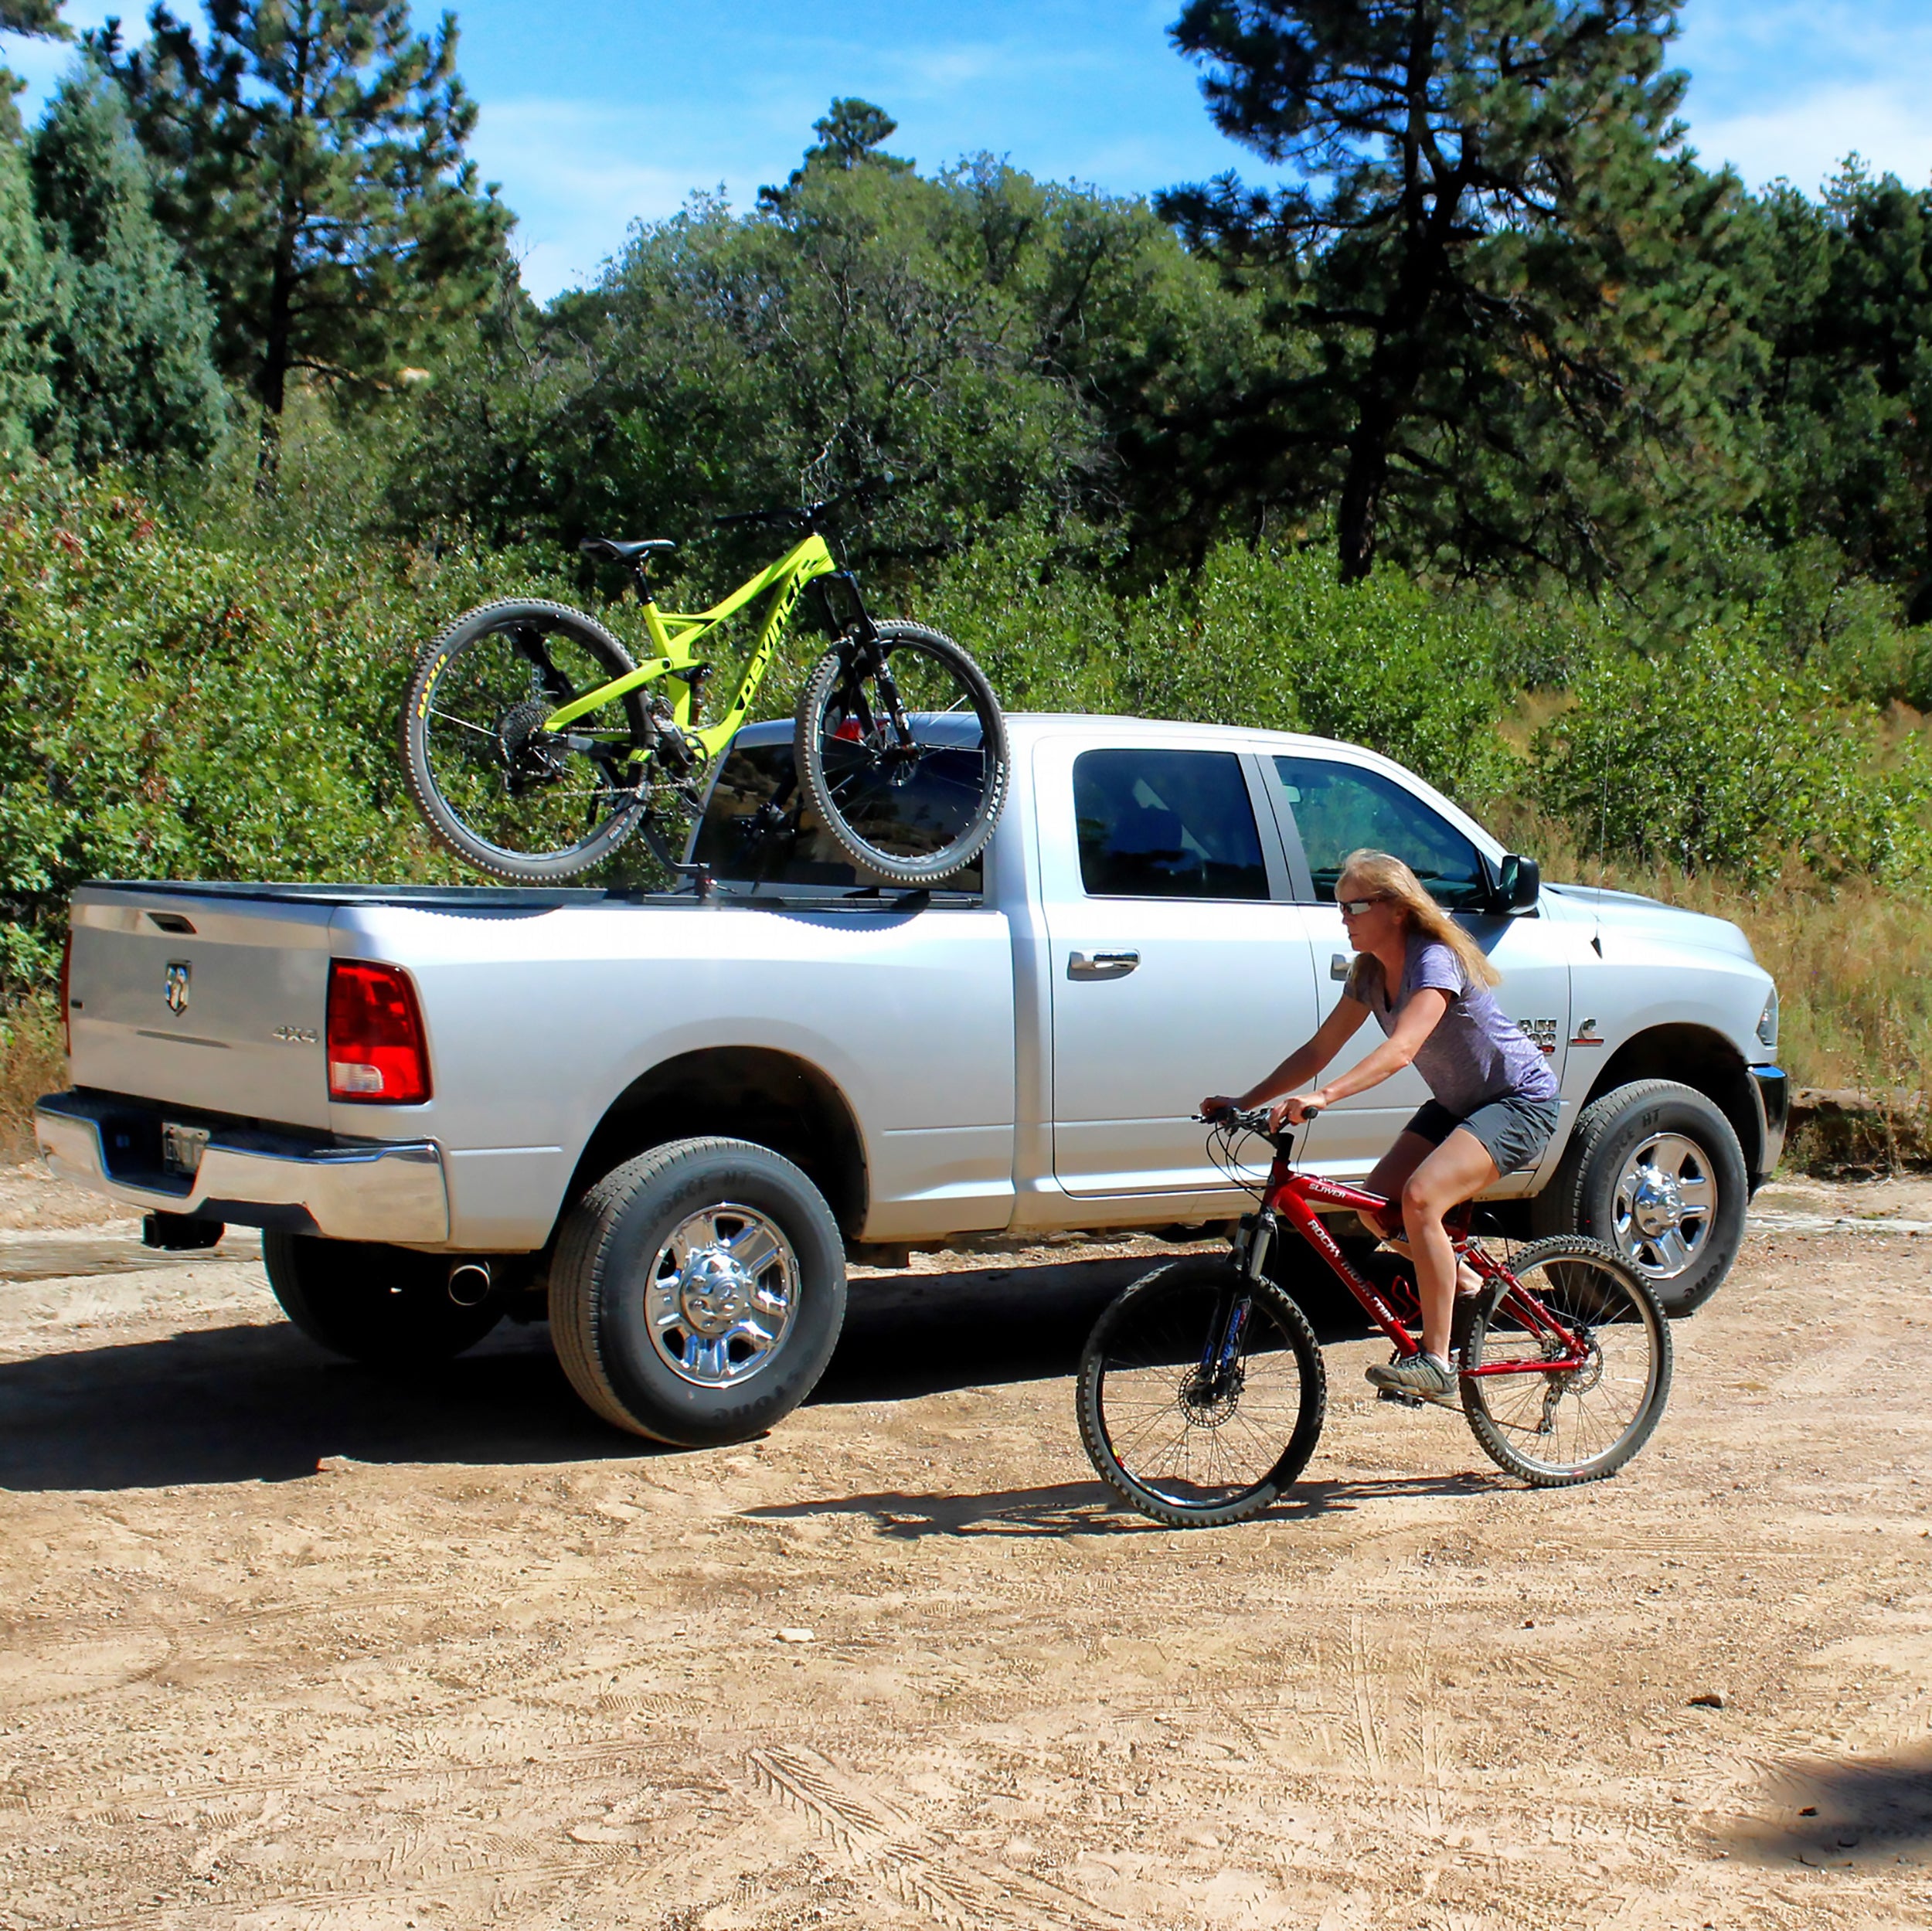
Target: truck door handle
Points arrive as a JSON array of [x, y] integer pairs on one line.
[[1338, 965], [1101, 965]]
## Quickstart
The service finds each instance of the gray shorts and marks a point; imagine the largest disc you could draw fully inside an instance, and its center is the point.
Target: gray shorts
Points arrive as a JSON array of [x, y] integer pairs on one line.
[[1513, 1131]]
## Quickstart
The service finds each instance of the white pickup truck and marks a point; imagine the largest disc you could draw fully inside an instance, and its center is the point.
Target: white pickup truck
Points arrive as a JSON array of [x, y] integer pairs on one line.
[[666, 1121]]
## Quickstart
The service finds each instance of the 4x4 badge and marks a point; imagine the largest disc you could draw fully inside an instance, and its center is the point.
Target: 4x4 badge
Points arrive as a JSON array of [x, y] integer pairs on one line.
[[177, 991]]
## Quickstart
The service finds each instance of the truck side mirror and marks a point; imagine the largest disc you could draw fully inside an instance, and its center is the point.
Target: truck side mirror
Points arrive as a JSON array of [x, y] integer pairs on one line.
[[1519, 882]]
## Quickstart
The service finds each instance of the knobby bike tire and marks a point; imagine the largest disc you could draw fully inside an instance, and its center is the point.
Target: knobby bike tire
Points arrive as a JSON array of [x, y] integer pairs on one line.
[[848, 767], [469, 799], [1557, 1429], [1183, 1454]]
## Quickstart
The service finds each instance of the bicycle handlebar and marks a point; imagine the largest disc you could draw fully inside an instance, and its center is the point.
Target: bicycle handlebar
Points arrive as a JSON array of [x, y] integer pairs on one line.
[[808, 517], [1254, 1120]]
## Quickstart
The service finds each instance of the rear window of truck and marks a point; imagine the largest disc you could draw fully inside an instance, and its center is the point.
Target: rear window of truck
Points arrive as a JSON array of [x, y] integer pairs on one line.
[[757, 829]]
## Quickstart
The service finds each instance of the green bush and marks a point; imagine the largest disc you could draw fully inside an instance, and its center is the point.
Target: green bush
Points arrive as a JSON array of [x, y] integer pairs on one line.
[[177, 709], [1720, 756], [1260, 637]]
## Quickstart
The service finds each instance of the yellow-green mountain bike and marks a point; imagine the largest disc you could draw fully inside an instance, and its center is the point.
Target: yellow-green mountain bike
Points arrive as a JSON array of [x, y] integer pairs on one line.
[[535, 746]]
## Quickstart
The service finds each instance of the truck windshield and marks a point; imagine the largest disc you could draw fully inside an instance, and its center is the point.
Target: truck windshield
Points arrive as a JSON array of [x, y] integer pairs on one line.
[[758, 830]]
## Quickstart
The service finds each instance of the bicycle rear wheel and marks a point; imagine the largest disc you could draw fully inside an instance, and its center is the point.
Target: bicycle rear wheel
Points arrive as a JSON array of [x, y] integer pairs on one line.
[[510, 799], [1555, 1427], [1201, 1394], [912, 812]]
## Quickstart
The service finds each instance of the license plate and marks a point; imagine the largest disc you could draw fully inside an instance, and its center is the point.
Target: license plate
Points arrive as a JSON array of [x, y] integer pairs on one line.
[[181, 1147]]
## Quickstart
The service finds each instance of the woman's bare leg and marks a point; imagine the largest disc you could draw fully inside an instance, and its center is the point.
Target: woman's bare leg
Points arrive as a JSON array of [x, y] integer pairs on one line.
[[1456, 1171], [1391, 1175]]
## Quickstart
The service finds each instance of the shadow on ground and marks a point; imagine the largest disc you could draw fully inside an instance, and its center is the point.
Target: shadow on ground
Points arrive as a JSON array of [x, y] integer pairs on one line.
[[1843, 1813], [1091, 1508], [260, 1403]]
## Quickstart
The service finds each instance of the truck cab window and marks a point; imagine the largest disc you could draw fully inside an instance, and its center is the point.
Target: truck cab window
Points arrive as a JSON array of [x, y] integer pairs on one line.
[[756, 829], [1339, 808], [1166, 824]]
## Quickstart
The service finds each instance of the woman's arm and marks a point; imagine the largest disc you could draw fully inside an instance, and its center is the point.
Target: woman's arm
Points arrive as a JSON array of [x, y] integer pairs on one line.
[[1420, 1017], [1331, 1036]]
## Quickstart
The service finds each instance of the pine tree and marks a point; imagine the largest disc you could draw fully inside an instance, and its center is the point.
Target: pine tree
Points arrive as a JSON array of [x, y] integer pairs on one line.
[[39, 18], [132, 364], [851, 134], [1499, 250], [25, 393], [311, 163]]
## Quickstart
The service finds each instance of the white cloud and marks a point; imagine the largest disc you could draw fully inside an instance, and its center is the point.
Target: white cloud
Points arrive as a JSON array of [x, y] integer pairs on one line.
[[1805, 139], [573, 184]]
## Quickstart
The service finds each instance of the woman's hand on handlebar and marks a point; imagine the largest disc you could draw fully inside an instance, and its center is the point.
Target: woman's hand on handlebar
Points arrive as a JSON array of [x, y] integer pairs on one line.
[[1295, 1110], [1217, 1104]]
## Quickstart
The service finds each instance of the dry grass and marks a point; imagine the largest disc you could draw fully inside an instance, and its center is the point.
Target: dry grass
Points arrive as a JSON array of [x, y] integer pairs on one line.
[[32, 1061], [1855, 1000]]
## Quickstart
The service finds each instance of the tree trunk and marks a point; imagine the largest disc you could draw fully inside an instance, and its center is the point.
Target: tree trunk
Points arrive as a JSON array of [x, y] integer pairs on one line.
[[1358, 515], [271, 382]]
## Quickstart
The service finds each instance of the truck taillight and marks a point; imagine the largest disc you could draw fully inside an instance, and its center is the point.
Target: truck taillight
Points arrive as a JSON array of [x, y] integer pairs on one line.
[[67, 989], [377, 1052]]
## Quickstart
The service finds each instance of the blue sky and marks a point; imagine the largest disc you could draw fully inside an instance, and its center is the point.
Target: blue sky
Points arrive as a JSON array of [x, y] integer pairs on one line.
[[596, 113]]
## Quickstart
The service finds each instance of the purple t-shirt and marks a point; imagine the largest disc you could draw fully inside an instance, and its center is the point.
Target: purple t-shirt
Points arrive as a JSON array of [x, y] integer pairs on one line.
[[1475, 1054]]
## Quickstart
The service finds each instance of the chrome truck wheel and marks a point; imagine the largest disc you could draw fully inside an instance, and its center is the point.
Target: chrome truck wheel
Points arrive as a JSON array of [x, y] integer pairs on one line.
[[1663, 1205], [722, 1294]]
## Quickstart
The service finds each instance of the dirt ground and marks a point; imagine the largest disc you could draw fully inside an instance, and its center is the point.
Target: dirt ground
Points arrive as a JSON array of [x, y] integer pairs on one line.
[[284, 1644]]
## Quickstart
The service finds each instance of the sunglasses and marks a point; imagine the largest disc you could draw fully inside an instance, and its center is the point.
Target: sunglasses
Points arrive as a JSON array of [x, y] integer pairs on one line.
[[1354, 908]]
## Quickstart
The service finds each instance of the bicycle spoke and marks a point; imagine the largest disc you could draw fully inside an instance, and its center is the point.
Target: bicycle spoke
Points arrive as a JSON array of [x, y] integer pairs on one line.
[[450, 717]]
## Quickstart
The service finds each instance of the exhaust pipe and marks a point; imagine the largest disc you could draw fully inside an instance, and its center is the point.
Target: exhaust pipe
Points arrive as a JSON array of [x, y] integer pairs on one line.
[[469, 1283]]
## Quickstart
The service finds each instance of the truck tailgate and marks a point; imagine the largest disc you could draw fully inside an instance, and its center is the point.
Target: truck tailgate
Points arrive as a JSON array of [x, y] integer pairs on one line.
[[206, 1003]]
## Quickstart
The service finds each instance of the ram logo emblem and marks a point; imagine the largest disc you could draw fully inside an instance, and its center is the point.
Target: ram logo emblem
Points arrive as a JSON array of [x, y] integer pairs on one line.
[[175, 992]]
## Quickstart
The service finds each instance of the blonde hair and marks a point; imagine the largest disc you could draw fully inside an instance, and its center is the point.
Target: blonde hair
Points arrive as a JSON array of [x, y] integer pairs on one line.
[[1389, 878]]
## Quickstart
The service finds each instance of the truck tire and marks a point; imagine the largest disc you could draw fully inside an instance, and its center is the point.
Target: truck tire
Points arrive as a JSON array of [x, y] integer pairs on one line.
[[1654, 1171], [698, 1292], [382, 1305]]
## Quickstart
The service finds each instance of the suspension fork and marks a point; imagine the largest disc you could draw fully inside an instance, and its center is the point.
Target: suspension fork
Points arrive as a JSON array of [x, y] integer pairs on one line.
[[1223, 1346], [858, 641]]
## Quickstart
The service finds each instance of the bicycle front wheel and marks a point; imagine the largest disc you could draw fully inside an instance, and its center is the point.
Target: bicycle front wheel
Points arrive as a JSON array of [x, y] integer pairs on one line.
[[511, 799], [1202, 1395], [1555, 1425], [902, 752]]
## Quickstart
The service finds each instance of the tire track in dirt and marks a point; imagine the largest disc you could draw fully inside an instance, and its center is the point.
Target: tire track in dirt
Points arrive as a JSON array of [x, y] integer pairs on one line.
[[896, 1852]]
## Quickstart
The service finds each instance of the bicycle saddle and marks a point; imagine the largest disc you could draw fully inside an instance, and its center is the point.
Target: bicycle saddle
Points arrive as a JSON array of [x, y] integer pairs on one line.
[[620, 549]]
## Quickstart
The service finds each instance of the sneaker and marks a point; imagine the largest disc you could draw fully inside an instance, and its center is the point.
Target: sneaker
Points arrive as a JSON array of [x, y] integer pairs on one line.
[[1417, 1374]]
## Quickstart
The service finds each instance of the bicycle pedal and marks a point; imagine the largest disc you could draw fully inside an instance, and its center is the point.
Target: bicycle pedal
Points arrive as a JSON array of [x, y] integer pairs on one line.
[[1395, 1395]]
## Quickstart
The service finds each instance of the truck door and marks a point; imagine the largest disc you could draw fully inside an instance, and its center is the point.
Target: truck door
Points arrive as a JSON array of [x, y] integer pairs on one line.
[[1180, 963], [1337, 807]]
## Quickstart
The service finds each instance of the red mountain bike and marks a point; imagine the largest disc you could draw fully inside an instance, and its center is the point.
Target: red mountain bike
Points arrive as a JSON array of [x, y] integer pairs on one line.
[[1202, 1392]]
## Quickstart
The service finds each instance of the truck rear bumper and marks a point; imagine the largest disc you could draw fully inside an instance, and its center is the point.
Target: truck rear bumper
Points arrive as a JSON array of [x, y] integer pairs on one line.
[[366, 1190]]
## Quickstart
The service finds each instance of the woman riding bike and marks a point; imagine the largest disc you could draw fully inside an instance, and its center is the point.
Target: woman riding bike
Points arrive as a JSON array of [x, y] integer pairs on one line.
[[1495, 1106]]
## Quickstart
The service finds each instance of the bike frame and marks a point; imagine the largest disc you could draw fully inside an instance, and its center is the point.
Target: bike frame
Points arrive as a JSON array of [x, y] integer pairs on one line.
[[1293, 1196], [676, 634]]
